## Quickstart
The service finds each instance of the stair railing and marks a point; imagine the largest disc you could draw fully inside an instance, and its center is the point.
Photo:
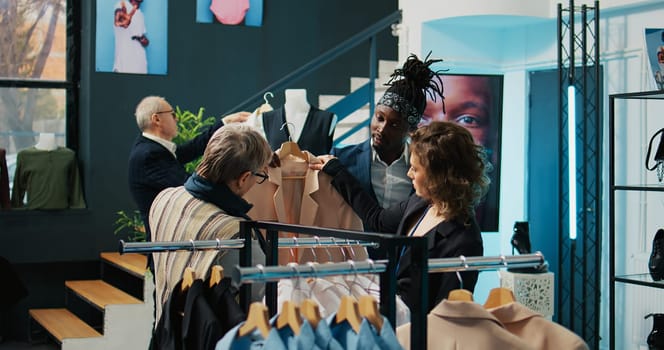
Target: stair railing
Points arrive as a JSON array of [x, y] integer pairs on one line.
[[351, 102]]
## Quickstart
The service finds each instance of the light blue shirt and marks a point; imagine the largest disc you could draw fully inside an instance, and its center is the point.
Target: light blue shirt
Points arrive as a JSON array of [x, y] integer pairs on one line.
[[252, 341], [383, 340], [390, 183], [324, 338], [342, 333]]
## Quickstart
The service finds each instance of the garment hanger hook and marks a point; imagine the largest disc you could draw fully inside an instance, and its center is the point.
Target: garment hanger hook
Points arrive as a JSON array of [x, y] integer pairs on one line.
[[465, 266], [343, 253], [313, 249], [371, 270], [265, 95], [327, 250], [315, 273], [296, 275], [193, 251], [350, 249], [292, 251], [291, 129], [354, 269]]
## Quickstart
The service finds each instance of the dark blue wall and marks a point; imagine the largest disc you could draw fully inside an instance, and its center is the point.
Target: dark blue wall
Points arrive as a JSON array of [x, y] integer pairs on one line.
[[209, 65]]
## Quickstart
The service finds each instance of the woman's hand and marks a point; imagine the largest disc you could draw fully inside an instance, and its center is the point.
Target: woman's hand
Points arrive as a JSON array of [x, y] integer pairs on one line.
[[323, 159]]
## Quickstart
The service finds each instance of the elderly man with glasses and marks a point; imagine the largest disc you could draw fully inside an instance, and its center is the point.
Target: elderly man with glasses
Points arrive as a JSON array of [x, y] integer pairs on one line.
[[155, 162]]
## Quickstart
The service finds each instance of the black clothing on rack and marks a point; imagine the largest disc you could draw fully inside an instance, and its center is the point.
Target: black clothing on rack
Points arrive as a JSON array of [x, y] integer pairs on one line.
[[207, 314]]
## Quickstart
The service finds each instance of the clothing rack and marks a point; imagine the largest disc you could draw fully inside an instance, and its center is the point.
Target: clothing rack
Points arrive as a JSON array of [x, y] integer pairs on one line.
[[478, 263], [262, 273], [421, 266], [389, 243], [169, 246], [191, 245]]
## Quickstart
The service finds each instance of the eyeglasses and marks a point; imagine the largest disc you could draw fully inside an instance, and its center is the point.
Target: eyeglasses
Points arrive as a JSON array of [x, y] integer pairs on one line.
[[262, 175], [171, 112]]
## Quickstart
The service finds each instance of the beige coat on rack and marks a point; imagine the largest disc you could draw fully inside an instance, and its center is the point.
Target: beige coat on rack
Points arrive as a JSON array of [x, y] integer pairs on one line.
[[295, 194]]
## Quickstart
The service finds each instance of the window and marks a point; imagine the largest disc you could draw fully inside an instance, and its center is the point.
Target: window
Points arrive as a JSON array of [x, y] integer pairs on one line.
[[39, 64]]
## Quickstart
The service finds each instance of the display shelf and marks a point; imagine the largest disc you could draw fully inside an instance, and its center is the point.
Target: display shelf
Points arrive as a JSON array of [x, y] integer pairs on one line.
[[642, 279], [633, 117], [645, 188]]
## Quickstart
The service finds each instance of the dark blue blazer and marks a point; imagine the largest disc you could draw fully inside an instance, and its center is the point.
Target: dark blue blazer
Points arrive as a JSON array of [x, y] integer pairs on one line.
[[357, 160], [152, 168]]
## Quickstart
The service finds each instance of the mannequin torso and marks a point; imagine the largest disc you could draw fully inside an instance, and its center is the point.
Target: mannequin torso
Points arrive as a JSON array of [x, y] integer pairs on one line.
[[296, 108], [46, 142]]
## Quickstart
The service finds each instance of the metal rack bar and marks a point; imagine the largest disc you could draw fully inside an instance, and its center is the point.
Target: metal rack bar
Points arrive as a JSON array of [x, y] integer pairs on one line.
[[191, 245], [305, 242], [313, 242], [262, 273], [486, 262]]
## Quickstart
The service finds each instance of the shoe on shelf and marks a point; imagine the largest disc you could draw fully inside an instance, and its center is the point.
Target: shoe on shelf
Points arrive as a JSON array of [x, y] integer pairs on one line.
[[656, 261], [521, 238], [655, 339]]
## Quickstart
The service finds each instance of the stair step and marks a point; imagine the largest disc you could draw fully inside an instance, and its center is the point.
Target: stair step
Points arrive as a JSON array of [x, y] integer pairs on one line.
[[100, 293], [133, 263], [63, 324]]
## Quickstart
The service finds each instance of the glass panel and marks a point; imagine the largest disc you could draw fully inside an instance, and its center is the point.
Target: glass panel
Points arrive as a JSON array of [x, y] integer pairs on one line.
[[33, 39], [25, 113]]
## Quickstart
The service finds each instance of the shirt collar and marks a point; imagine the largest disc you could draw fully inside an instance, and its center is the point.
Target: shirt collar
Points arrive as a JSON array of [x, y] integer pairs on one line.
[[170, 146], [405, 156]]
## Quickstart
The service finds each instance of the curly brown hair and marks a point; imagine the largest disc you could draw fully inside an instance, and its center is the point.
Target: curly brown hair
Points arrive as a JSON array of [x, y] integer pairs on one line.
[[456, 168]]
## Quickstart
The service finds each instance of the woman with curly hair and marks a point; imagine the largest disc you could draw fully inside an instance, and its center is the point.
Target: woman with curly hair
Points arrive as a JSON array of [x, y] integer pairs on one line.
[[448, 172]]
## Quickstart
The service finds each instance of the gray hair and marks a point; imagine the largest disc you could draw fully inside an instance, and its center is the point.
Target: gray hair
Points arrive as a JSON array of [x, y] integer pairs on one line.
[[146, 108], [232, 150]]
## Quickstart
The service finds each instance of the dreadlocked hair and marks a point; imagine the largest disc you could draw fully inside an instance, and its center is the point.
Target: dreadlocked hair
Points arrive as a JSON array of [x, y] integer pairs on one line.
[[414, 80]]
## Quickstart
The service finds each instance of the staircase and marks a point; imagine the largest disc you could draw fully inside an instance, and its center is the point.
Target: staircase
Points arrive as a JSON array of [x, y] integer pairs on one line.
[[385, 68], [114, 312]]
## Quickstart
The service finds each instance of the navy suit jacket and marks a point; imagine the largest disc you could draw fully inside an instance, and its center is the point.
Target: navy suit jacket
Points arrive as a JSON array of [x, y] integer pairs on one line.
[[357, 160], [152, 168]]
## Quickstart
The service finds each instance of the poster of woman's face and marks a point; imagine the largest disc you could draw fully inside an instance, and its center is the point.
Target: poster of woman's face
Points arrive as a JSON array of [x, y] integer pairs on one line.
[[474, 102], [131, 36]]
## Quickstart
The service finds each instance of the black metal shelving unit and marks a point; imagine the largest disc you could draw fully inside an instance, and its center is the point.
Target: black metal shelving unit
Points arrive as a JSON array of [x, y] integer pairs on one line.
[[640, 279]]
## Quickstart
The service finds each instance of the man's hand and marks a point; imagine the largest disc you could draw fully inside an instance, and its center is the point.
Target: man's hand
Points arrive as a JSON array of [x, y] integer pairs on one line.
[[319, 165], [239, 117]]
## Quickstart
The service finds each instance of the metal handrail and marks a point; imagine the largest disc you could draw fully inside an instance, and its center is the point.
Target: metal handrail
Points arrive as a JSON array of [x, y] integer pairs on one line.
[[367, 34]]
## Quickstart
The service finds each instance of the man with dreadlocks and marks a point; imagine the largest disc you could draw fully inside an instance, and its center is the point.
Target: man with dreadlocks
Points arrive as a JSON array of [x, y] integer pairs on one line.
[[448, 172], [381, 163]]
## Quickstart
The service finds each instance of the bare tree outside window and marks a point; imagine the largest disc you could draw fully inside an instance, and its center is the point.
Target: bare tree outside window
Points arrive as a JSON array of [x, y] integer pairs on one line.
[[33, 76]]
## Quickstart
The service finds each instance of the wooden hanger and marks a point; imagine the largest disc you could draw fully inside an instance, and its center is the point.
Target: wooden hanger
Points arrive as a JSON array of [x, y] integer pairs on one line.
[[289, 316], [257, 318], [460, 295], [290, 147], [349, 312], [216, 275], [498, 297], [188, 278], [369, 310], [311, 312]]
